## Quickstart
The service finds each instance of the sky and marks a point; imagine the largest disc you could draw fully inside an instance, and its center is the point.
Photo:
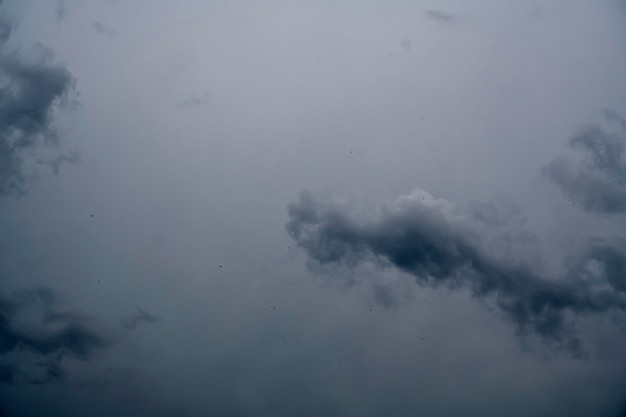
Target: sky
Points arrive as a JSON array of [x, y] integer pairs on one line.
[[284, 208]]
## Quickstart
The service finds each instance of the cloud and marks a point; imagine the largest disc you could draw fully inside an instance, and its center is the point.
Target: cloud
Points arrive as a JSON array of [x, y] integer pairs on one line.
[[193, 101], [441, 244], [60, 10], [101, 29], [32, 88], [613, 116], [140, 316], [604, 263], [597, 181], [55, 163], [6, 27], [440, 16], [406, 44], [36, 333]]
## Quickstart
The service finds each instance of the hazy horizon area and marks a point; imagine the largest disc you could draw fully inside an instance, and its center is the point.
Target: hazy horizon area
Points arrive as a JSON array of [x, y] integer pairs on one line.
[[283, 208]]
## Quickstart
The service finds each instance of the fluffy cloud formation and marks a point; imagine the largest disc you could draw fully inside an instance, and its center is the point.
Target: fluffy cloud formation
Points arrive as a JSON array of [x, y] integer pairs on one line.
[[441, 244]]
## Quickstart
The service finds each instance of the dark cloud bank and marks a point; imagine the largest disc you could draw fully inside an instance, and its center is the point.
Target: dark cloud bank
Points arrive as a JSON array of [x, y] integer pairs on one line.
[[38, 330], [36, 333], [442, 244], [31, 89]]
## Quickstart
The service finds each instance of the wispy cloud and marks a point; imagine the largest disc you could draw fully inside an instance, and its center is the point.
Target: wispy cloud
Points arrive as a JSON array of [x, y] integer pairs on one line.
[[61, 10], [57, 162], [102, 29], [193, 101], [596, 181], [140, 316], [406, 44], [440, 15]]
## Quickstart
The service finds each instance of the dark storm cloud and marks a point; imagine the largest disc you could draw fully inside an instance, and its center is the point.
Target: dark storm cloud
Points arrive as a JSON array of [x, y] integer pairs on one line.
[[442, 245], [440, 16], [36, 333], [597, 181], [193, 101], [139, 317], [31, 90]]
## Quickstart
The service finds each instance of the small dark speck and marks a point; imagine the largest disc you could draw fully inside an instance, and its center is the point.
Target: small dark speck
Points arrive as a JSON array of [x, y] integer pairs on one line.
[[220, 266], [274, 308], [91, 215], [98, 281], [370, 309]]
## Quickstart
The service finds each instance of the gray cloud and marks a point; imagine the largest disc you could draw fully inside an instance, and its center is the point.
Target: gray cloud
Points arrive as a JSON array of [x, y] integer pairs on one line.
[[597, 181], [31, 90], [193, 101], [60, 10], [440, 15], [102, 29], [603, 262], [406, 44], [6, 27], [139, 317], [36, 333], [441, 244], [301, 107], [614, 116], [57, 162]]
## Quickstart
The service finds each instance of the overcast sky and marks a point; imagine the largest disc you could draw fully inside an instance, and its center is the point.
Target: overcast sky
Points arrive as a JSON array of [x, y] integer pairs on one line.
[[280, 208]]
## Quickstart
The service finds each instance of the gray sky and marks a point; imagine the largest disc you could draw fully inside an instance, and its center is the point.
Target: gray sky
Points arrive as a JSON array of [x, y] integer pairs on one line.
[[312, 208]]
